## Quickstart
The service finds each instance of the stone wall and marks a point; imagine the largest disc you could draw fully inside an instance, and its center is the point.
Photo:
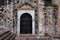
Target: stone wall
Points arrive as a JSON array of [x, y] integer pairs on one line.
[[50, 21], [58, 21], [41, 19]]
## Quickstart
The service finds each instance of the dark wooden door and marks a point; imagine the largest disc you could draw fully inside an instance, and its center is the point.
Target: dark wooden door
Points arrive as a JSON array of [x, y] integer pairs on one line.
[[26, 24]]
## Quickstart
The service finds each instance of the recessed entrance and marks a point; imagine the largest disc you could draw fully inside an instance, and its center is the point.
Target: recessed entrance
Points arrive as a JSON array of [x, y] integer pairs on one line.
[[26, 24]]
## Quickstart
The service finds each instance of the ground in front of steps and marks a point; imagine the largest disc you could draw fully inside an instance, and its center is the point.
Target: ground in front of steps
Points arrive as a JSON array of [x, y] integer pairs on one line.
[[34, 38]]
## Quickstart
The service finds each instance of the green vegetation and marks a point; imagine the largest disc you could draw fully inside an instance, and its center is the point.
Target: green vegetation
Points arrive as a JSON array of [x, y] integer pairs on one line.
[[50, 3]]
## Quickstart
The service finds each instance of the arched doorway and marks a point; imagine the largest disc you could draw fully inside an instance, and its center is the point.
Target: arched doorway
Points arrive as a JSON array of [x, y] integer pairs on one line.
[[26, 24]]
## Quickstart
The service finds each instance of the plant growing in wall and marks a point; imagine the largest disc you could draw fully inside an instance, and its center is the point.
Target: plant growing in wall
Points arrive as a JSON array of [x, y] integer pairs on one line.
[[50, 4]]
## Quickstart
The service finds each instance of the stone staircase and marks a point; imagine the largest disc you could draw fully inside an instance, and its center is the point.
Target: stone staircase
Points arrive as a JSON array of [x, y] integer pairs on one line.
[[6, 35], [35, 38], [31, 38]]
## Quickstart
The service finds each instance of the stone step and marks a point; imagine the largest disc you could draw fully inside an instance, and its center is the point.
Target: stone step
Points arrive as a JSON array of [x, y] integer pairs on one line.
[[34, 39], [3, 33], [4, 36], [9, 36], [31, 38], [26, 35], [16, 38], [13, 37]]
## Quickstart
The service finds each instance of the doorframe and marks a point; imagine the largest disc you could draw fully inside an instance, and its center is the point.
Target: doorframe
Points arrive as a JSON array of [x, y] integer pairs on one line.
[[32, 13]]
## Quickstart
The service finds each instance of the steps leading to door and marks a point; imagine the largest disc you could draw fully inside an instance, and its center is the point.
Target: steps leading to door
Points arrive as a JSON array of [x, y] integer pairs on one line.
[[31, 38], [7, 35], [26, 35]]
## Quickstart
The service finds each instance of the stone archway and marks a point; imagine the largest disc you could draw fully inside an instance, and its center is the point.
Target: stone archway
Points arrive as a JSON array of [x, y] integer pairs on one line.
[[26, 24], [30, 12]]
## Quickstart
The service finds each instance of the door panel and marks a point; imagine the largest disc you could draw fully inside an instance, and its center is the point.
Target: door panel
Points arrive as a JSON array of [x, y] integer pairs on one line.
[[26, 24]]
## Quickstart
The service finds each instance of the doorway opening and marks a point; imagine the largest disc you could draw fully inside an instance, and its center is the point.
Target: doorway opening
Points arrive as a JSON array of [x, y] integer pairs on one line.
[[26, 24]]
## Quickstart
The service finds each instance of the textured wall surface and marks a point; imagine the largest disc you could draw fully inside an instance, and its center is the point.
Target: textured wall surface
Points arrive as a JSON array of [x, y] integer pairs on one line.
[[57, 2], [45, 25]]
